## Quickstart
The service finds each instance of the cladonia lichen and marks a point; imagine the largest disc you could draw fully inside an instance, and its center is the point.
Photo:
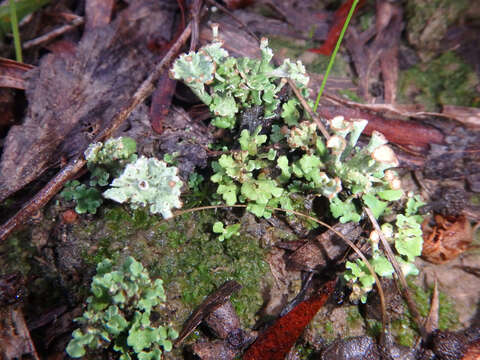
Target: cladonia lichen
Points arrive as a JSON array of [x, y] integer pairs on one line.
[[148, 182]]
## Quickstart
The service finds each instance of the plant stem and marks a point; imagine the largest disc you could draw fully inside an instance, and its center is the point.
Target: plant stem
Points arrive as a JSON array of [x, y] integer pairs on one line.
[[332, 57], [15, 32]]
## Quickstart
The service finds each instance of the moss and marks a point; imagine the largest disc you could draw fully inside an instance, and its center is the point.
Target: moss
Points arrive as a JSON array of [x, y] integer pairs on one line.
[[445, 80], [184, 253], [195, 264], [403, 332], [428, 21], [448, 316], [354, 317], [404, 329], [341, 68], [17, 254]]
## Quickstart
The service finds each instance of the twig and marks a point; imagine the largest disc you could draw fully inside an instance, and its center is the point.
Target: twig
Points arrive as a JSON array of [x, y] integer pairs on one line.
[[232, 15], [42, 197], [54, 33], [307, 107], [75, 165], [148, 85], [405, 290], [195, 13], [339, 234]]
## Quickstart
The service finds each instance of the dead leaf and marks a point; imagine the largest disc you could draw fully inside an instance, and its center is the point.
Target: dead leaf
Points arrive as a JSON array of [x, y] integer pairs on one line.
[[448, 238], [11, 73], [71, 98]]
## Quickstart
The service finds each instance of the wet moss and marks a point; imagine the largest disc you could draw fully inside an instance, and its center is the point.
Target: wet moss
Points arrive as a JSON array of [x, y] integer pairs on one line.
[[445, 80], [183, 252], [404, 329], [17, 254], [428, 21]]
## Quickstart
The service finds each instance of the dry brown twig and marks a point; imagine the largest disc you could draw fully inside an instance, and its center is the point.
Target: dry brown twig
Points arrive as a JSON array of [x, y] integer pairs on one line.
[[53, 34], [75, 165], [401, 278]]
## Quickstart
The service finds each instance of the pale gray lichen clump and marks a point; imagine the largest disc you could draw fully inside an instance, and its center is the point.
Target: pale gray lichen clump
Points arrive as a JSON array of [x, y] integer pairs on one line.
[[148, 182], [122, 148], [236, 83]]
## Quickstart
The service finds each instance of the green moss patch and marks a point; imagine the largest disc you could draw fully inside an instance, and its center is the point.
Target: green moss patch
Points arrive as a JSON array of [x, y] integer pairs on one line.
[[447, 80]]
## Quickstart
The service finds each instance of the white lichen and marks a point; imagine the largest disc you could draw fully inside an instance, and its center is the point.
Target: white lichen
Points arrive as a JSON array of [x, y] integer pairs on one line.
[[148, 182]]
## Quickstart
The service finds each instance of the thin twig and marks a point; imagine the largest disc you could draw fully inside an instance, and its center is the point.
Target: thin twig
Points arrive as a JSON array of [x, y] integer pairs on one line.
[[307, 107], [405, 289], [339, 234], [75, 165], [42, 197], [232, 15], [148, 85], [195, 15], [53, 34]]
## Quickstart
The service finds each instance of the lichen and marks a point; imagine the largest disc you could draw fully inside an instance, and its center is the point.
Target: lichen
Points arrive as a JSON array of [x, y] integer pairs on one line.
[[148, 182]]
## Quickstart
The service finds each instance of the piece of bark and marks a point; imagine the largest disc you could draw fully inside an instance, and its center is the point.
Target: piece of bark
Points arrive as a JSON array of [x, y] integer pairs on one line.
[[12, 72], [325, 249], [356, 348], [15, 340], [71, 99], [186, 138], [223, 320], [210, 304], [214, 350]]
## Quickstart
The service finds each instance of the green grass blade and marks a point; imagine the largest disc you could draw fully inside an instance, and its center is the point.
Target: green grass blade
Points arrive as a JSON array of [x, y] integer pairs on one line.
[[15, 32], [332, 57]]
